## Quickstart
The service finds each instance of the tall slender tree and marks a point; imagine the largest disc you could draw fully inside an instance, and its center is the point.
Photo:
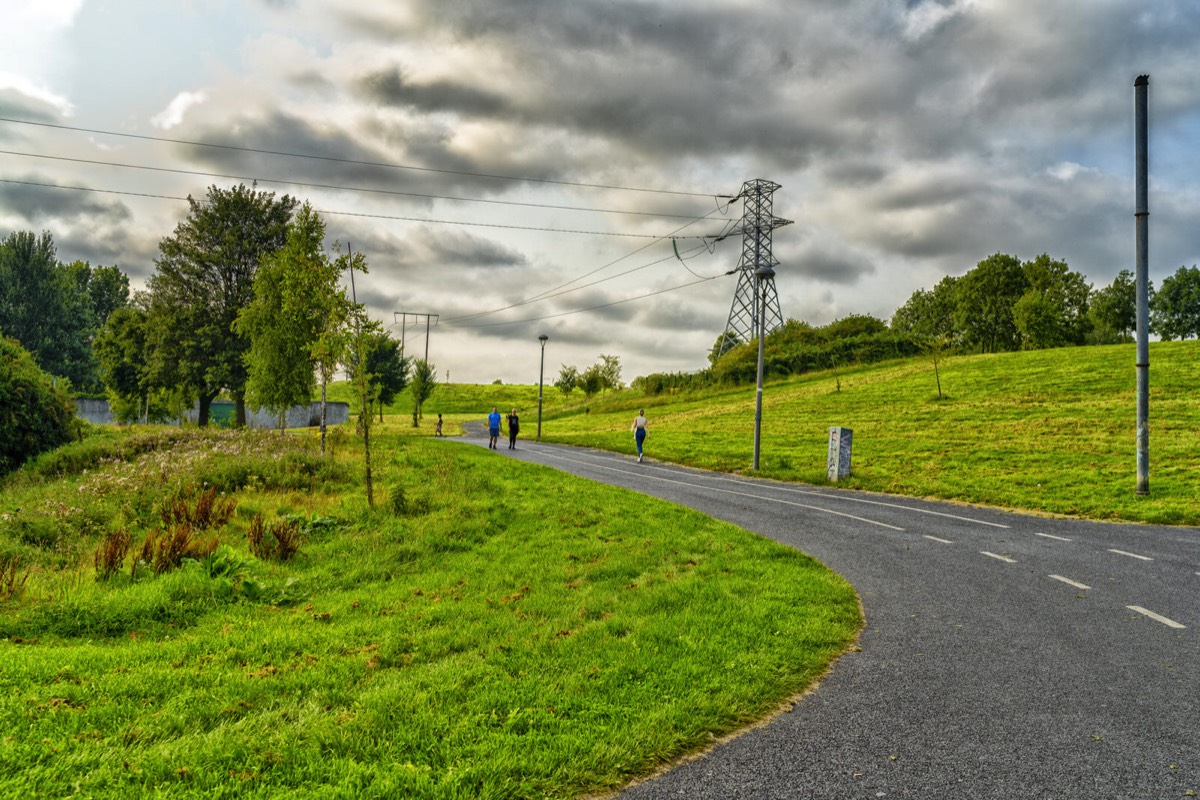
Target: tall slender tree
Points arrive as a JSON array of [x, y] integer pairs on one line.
[[295, 291]]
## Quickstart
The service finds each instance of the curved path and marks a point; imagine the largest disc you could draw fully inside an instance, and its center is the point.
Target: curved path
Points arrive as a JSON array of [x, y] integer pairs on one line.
[[1005, 656]]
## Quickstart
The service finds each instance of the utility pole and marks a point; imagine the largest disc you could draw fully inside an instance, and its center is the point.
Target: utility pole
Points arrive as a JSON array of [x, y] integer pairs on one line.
[[402, 318], [541, 375], [1142, 249]]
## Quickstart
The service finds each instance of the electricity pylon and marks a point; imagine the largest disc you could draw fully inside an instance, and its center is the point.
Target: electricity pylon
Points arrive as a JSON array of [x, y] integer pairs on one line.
[[758, 223]]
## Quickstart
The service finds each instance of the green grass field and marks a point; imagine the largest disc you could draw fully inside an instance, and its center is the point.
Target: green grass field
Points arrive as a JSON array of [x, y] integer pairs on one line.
[[464, 638], [1048, 431]]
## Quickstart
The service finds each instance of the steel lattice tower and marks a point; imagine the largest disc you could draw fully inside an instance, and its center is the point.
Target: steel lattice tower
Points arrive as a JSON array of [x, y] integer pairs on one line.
[[758, 223]]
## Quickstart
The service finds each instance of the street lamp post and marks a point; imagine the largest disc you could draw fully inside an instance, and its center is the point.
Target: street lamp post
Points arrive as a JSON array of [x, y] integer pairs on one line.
[[764, 273], [541, 374]]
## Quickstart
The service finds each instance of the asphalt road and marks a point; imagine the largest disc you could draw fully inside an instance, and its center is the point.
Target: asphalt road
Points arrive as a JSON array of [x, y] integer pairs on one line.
[[1005, 655]]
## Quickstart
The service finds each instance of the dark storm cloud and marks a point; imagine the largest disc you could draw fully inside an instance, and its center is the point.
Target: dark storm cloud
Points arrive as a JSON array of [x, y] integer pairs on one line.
[[17, 105], [44, 205], [818, 262], [390, 87], [450, 247]]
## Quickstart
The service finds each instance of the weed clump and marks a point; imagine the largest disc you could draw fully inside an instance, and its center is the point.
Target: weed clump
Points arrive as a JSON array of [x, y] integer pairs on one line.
[[401, 505], [12, 578], [202, 510], [165, 549], [279, 541], [111, 553]]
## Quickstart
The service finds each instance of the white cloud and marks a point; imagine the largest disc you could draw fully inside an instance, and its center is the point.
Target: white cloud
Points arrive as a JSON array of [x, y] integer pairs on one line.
[[172, 115], [34, 90]]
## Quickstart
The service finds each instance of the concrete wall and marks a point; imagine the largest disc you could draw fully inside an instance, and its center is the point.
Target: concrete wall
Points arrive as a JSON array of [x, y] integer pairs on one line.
[[223, 414]]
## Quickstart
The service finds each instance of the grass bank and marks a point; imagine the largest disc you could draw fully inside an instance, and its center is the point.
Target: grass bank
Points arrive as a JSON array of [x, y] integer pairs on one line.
[[1048, 431], [487, 630]]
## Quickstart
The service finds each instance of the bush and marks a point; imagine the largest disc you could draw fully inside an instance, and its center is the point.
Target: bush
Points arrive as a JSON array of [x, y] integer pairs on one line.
[[35, 416], [279, 541]]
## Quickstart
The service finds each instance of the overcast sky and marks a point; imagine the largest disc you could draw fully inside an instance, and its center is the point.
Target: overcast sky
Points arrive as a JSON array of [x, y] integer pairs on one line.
[[911, 139]]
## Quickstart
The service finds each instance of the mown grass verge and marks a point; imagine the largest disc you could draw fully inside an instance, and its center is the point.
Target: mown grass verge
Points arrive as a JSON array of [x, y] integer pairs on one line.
[[487, 630]]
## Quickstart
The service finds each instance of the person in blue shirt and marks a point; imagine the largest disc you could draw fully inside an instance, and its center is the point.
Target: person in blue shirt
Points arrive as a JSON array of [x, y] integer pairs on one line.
[[493, 427]]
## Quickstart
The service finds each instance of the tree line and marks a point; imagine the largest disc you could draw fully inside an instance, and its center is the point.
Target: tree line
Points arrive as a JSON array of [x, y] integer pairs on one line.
[[1004, 304], [244, 301]]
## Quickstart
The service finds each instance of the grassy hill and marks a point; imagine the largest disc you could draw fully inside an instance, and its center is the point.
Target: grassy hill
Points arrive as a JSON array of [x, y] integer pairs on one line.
[[1047, 431]]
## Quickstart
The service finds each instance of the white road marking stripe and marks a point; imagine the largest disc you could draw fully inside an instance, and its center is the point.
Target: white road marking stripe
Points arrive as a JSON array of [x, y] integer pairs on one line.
[[1070, 582], [1002, 558], [1056, 538], [1131, 555], [739, 494], [936, 539], [1170, 623]]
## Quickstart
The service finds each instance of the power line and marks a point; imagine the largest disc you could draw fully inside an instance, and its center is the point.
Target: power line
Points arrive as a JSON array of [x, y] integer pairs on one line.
[[594, 308], [336, 160], [545, 294], [330, 212], [337, 187]]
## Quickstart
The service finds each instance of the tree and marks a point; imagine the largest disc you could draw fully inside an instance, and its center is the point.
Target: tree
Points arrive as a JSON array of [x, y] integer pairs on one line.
[[424, 381], [568, 379], [985, 299], [294, 288], [610, 372], [108, 290], [203, 278], [591, 381], [45, 306], [120, 348], [1175, 311], [1113, 309], [1054, 310], [35, 416], [388, 368], [929, 314]]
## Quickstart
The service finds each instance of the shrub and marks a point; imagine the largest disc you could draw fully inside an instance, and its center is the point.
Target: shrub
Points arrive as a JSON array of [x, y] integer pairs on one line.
[[35, 416]]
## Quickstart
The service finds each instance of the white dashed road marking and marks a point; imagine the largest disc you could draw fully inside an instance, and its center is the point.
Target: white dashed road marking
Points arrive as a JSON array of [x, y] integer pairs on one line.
[[1131, 555], [1001, 558], [1055, 538], [1070, 582], [1170, 623], [936, 539]]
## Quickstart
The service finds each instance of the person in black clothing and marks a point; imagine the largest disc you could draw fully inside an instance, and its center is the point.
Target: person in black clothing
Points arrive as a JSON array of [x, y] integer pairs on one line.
[[514, 427]]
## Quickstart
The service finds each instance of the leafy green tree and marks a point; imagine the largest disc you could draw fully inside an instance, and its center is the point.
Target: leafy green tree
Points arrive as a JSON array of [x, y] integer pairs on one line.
[[359, 329], [204, 277], [985, 299], [610, 372], [568, 379], [44, 305], [120, 348], [108, 290], [293, 288], [388, 368], [929, 314], [1175, 310], [35, 416], [1113, 309], [423, 384], [592, 381], [1054, 311]]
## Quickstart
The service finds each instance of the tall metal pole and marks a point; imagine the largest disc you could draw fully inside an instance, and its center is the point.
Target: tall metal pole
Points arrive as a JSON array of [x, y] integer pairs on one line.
[[541, 375], [1142, 235], [764, 274]]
